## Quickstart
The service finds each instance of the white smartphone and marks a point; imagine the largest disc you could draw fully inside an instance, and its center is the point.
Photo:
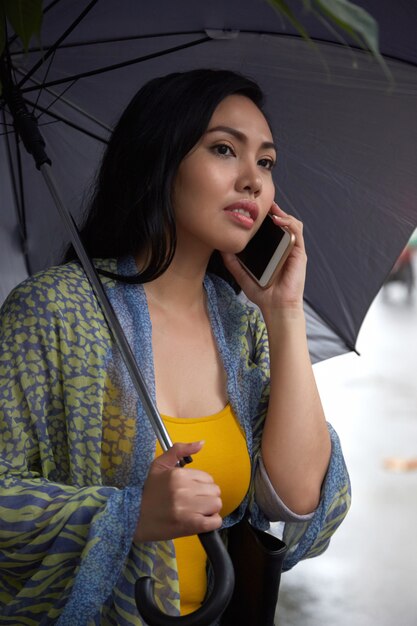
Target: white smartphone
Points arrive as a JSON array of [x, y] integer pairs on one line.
[[266, 252]]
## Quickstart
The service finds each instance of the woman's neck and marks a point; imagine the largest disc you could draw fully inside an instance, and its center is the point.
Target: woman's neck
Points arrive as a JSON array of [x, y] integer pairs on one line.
[[179, 287]]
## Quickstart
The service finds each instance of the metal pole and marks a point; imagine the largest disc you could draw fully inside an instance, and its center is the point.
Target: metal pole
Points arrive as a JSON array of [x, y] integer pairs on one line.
[[109, 314]]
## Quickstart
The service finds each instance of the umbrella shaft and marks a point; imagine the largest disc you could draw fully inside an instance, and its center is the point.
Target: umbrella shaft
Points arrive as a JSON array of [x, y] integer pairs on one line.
[[109, 314]]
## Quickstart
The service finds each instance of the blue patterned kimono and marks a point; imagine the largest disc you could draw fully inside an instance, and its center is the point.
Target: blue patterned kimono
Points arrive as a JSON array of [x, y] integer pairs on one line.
[[76, 446]]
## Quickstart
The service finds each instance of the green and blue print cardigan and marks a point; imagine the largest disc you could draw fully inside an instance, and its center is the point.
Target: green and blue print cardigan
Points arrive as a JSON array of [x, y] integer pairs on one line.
[[76, 446]]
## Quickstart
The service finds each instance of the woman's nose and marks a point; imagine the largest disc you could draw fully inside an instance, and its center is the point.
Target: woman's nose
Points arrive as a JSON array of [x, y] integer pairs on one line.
[[249, 180]]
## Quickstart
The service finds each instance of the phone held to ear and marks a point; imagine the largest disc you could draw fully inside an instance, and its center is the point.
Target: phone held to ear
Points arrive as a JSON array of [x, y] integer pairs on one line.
[[266, 252]]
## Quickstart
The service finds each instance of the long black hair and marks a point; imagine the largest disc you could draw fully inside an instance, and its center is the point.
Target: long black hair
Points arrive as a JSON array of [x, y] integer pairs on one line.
[[131, 211]]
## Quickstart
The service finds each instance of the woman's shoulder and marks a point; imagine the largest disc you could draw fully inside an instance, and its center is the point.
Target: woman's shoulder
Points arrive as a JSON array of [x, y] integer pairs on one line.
[[60, 287]]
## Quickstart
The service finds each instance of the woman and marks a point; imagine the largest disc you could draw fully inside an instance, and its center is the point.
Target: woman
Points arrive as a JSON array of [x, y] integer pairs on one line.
[[89, 503]]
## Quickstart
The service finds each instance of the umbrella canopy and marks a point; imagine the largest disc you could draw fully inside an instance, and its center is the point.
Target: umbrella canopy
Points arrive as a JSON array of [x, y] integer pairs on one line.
[[347, 137]]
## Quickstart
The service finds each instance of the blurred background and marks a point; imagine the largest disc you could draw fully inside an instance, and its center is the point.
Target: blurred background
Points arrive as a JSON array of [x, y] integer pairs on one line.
[[368, 575]]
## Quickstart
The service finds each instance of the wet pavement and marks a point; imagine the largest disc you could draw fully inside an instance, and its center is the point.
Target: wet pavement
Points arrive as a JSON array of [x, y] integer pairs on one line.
[[368, 575]]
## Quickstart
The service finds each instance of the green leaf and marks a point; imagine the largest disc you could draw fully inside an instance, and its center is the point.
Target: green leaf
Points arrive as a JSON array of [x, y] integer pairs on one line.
[[282, 7], [352, 18], [349, 17], [358, 23], [25, 17]]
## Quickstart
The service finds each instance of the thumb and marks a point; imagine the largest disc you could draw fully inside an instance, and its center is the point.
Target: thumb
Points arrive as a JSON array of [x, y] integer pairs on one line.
[[232, 263], [170, 458]]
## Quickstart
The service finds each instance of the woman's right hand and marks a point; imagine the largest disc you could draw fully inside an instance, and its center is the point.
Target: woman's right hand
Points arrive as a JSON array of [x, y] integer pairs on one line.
[[178, 501]]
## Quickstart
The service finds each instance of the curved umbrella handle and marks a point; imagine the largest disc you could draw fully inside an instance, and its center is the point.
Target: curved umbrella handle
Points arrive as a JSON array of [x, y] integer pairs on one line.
[[214, 605]]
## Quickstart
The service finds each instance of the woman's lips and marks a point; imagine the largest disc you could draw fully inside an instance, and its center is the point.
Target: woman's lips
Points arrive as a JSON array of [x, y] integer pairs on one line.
[[243, 213]]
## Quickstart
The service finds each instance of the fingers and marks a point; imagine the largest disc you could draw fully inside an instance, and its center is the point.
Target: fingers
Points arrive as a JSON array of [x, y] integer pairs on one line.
[[195, 499], [193, 490], [170, 459], [204, 524], [232, 263], [276, 210], [196, 505], [198, 476], [279, 216], [178, 501], [289, 222]]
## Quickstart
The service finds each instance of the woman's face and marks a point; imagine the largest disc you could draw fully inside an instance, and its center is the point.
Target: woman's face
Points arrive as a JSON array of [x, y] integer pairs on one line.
[[224, 188]]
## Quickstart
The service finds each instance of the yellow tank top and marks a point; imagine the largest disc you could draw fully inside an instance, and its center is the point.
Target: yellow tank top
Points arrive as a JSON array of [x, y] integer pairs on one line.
[[225, 457]]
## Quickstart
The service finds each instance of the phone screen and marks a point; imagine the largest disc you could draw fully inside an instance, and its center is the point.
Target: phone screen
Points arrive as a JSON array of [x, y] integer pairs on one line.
[[258, 252]]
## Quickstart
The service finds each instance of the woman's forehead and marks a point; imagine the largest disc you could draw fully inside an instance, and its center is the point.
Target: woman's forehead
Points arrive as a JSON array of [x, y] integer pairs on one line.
[[240, 113]]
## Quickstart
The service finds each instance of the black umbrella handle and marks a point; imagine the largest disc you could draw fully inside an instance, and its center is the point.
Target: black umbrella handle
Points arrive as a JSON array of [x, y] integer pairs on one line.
[[215, 603], [25, 122]]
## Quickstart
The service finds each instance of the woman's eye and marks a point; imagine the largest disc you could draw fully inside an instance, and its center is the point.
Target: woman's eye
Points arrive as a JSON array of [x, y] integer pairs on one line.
[[266, 163], [223, 149]]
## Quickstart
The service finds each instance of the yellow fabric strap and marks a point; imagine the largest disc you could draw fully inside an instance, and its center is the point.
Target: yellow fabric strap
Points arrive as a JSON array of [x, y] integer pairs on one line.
[[225, 457]]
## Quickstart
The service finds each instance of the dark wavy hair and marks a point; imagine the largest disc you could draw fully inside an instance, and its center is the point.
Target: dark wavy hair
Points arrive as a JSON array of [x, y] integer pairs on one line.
[[131, 207]]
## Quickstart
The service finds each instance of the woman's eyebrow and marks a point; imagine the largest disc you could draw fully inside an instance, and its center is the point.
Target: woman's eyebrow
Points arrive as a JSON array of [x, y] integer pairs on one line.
[[240, 136]]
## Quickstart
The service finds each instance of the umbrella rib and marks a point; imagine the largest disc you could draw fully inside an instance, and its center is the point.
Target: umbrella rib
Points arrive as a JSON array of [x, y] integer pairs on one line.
[[106, 40], [66, 121], [116, 66], [74, 107], [57, 42], [70, 104], [353, 47], [57, 98], [51, 6], [18, 195], [44, 78]]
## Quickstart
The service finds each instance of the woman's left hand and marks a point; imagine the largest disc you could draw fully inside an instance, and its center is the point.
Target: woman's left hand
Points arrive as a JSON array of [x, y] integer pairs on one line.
[[286, 292]]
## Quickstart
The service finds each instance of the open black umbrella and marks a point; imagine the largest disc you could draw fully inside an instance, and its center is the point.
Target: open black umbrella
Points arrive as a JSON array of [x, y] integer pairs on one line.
[[347, 136]]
